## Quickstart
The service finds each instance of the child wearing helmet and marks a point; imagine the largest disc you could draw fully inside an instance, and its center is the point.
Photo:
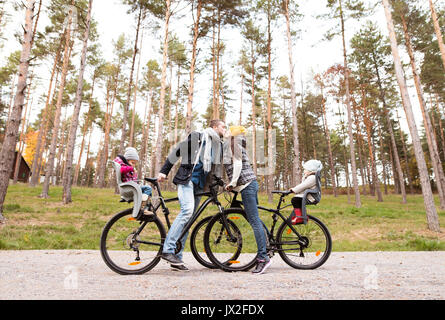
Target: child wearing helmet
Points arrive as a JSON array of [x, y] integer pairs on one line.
[[309, 182]]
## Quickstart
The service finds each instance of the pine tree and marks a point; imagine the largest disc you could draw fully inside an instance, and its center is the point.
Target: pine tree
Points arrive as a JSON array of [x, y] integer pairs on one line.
[[8, 147], [66, 197], [431, 213]]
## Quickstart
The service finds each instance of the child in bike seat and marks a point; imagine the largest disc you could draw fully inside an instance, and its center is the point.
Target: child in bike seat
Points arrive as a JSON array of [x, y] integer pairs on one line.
[[309, 182], [128, 162]]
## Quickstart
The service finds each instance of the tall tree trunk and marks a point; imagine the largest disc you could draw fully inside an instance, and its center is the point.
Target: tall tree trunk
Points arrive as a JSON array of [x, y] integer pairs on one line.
[[432, 143], [218, 72], [49, 169], [66, 197], [241, 100], [21, 141], [60, 150], [438, 32], [359, 147], [270, 147], [296, 170], [328, 139], [383, 159], [286, 164], [130, 86], [442, 138], [102, 162], [8, 147], [368, 125], [160, 137], [213, 69], [391, 132], [188, 123], [85, 130], [348, 104], [131, 144], [254, 164], [431, 213], [88, 164], [405, 156], [44, 124], [146, 132], [178, 90]]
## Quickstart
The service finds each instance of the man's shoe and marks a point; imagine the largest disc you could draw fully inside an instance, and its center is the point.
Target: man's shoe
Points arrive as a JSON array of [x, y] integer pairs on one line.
[[261, 266], [179, 267], [172, 258]]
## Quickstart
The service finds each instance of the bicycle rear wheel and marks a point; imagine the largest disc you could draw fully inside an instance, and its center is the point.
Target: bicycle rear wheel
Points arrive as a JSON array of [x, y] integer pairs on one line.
[[231, 254], [315, 249], [129, 246]]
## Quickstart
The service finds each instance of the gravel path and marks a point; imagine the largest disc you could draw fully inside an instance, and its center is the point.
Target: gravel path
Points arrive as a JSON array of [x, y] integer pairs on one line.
[[81, 274]]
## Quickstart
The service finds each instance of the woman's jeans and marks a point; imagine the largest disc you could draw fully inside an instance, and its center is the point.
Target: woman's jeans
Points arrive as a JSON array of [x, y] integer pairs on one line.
[[249, 195], [188, 203]]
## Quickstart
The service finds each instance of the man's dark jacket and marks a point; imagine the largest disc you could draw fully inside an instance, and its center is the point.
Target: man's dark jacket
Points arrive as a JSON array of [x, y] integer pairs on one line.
[[188, 151]]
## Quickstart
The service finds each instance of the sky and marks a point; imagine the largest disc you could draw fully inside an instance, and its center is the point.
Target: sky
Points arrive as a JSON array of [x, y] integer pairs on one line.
[[311, 54]]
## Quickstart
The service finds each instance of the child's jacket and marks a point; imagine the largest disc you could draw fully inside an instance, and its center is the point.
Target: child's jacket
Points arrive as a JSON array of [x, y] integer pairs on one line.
[[127, 171]]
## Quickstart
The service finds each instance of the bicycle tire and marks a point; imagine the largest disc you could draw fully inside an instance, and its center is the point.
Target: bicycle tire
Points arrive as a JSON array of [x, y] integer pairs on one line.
[[317, 249], [200, 256], [230, 255], [111, 242]]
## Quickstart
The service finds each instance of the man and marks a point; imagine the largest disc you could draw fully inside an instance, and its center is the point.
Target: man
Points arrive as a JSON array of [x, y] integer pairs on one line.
[[201, 155], [243, 179]]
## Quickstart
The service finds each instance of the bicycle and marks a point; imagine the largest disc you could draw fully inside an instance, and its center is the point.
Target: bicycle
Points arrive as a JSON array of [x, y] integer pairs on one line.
[[310, 240], [128, 248]]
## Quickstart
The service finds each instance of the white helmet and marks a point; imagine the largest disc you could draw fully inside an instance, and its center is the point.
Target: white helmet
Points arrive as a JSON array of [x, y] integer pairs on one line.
[[312, 165]]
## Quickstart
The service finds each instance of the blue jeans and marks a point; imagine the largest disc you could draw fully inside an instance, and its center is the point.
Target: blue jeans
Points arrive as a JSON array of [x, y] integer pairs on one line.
[[146, 190], [249, 195], [188, 204]]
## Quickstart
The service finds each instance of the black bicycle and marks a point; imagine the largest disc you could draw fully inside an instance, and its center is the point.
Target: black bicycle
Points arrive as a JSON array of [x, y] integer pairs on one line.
[[131, 245], [302, 246]]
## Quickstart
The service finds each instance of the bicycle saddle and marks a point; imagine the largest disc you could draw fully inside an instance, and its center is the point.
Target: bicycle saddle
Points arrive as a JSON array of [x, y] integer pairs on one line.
[[152, 180]]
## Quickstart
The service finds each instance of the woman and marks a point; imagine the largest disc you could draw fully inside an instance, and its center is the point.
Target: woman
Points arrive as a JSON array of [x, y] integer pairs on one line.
[[243, 179]]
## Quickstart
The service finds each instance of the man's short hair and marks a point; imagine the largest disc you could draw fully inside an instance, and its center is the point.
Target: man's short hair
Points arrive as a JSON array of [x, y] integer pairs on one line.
[[215, 123]]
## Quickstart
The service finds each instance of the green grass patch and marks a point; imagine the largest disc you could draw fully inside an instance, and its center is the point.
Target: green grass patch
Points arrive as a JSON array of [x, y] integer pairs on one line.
[[35, 223]]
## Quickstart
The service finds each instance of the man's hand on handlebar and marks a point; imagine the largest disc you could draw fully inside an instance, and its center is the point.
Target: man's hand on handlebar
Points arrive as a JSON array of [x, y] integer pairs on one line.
[[228, 188], [161, 177]]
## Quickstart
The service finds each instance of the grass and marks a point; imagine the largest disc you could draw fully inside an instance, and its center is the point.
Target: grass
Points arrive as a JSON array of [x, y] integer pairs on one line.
[[34, 223]]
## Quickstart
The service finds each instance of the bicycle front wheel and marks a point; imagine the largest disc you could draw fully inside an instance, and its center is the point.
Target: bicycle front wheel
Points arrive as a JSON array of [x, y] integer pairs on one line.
[[130, 246], [310, 249], [233, 248], [197, 244]]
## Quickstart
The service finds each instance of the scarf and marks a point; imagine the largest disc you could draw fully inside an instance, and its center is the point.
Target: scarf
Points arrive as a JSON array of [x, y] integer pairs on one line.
[[209, 138]]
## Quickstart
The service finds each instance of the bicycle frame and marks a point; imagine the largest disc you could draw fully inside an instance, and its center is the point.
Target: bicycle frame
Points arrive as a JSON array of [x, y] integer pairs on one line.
[[275, 212], [212, 198]]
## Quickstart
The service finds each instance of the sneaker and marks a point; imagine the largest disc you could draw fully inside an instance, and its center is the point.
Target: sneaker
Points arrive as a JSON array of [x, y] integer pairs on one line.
[[148, 212], [179, 267], [297, 216], [261, 266], [172, 258]]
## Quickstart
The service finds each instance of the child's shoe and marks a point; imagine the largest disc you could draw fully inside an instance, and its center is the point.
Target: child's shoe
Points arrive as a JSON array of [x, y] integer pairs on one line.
[[297, 216]]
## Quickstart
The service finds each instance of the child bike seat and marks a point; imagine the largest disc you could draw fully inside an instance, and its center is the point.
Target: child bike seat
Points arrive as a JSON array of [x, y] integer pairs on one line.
[[130, 191]]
